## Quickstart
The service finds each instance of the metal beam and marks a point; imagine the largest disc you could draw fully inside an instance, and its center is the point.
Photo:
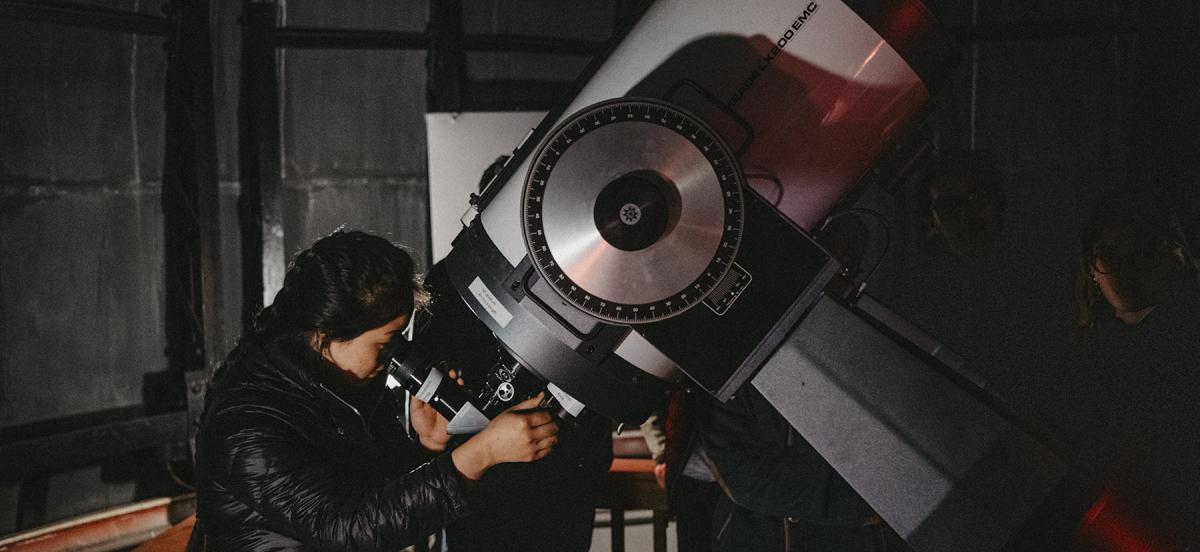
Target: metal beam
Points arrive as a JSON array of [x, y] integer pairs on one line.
[[359, 39], [447, 62], [190, 194], [36, 455], [519, 94], [626, 13], [85, 16], [1046, 30], [527, 44], [347, 39], [260, 205]]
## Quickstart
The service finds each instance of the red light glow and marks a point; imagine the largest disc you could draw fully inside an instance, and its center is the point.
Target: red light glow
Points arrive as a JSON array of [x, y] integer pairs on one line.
[[1116, 525]]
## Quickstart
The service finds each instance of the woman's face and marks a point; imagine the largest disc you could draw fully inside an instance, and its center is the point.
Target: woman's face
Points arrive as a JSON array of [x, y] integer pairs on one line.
[[1125, 268], [359, 357], [969, 214], [1102, 274], [1127, 309]]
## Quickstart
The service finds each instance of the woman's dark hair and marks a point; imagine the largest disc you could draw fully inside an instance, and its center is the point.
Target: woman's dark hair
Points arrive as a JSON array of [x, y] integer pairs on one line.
[[345, 284], [1143, 249]]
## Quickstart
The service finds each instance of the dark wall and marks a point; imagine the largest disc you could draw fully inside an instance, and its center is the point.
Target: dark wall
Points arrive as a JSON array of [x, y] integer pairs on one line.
[[81, 229]]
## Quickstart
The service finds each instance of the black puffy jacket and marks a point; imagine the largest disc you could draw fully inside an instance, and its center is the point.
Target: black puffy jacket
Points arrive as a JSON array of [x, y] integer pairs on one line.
[[285, 463]]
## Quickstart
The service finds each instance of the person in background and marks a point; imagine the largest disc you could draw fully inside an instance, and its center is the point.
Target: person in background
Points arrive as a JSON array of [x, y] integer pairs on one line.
[[1134, 259], [681, 467], [989, 290], [1129, 393], [300, 447], [962, 203]]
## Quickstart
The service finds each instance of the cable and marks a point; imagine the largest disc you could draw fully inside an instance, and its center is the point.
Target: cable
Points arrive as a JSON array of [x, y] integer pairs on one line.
[[178, 480]]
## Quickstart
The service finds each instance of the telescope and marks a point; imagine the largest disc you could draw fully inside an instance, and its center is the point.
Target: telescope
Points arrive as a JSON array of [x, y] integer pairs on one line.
[[659, 227]]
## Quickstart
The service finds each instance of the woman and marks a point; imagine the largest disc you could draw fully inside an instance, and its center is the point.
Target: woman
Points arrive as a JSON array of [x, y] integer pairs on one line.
[[1127, 403], [301, 447], [1134, 258]]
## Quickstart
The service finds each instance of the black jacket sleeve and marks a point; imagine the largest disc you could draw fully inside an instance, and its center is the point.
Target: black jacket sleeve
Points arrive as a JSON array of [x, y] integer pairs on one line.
[[327, 502]]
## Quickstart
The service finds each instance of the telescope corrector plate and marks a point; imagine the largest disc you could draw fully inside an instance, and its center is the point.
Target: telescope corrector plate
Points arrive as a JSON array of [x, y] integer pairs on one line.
[[633, 210]]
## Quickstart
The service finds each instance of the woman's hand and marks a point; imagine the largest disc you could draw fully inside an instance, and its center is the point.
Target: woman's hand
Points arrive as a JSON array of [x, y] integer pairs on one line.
[[660, 475], [520, 434], [429, 425]]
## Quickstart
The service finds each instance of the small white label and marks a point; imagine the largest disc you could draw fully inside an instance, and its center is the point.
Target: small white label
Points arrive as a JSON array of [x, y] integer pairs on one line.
[[568, 402], [489, 302], [429, 388]]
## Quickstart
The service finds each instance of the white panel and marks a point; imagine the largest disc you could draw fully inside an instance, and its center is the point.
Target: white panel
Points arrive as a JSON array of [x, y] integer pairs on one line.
[[461, 146]]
